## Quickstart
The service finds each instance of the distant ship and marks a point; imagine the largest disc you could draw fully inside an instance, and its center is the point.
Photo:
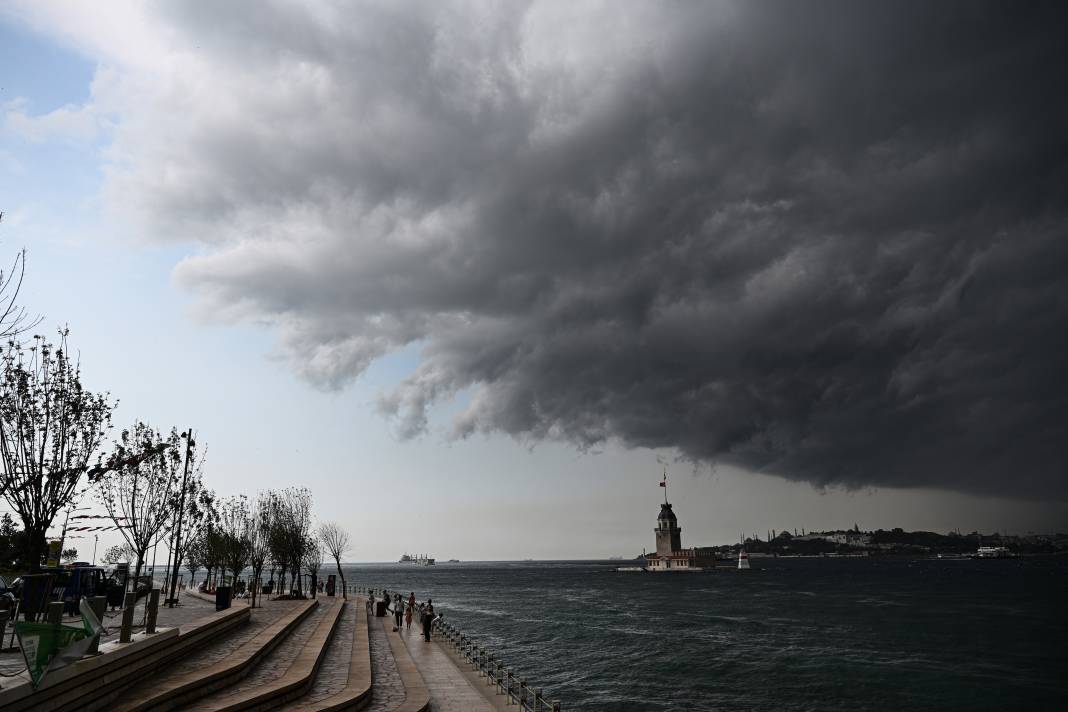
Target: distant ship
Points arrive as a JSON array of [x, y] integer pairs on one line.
[[453, 561], [419, 559], [993, 552]]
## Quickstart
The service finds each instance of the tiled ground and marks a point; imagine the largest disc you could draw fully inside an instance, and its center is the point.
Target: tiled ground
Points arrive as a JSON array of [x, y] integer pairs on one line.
[[334, 671], [222, 647], [190, 608], [387, 692], [449, 688], [277, 662]]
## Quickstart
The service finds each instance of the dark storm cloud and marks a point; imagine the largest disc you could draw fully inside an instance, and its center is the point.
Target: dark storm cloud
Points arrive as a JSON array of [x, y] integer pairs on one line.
[[822, 240]]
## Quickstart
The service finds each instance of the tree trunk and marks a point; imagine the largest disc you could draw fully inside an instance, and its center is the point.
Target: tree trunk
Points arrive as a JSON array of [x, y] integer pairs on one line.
[[33, 546], [344, 588], [137, 569]]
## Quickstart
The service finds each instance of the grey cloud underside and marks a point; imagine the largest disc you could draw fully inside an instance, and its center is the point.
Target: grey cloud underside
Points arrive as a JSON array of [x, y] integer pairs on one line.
[[824, 241]]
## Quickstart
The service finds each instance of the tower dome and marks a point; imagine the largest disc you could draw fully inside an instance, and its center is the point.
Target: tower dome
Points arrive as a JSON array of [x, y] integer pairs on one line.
[[668, 531], [667, 514]]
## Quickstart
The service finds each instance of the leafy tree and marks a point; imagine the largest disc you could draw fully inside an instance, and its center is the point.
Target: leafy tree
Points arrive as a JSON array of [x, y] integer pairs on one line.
[[118, 553], [9, 540], [336, 542], [235, 524], [139, 495], [69, 555], [313, 560], [196, 554], [262, 517], [50, 427], [214, 550], [290, 529], [195, 505]]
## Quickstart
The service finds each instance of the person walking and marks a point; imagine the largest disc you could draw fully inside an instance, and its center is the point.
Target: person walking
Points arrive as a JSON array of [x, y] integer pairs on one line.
[[428, 620], [398, 610], [408, 616]]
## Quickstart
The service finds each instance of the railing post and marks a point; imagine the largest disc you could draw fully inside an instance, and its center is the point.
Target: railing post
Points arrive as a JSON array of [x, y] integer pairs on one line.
[[153, 610], [498, 680], [522, 694], [556, 705], [508, 699], [537, 698], [126, 633]]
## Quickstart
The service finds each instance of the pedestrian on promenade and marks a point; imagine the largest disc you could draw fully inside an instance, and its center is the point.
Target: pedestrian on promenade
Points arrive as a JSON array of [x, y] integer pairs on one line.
[[398, 610], [408, 616], [428, 619], [370, 603], [411, 600]]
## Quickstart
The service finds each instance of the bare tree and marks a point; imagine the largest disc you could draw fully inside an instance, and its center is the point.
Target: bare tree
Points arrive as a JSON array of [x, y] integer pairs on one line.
[[313, 561], [50, 427], [140, 496], [14, 319], [336, 542]]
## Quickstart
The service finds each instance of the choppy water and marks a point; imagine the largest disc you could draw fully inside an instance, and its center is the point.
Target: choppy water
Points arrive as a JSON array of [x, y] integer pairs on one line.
[[798, 634]]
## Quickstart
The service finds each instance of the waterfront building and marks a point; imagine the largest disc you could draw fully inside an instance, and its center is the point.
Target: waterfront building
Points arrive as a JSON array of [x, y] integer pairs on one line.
[[670, 556]]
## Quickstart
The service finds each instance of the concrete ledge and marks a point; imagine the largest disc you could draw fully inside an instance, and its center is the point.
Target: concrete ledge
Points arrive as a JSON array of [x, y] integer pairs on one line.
[[295, 681], [174, 693], [94, 683], [417, 698], [357, 692]]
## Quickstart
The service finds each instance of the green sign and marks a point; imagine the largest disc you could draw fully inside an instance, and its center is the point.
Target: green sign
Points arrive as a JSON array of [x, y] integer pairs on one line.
[[41, 641], [48, 646]]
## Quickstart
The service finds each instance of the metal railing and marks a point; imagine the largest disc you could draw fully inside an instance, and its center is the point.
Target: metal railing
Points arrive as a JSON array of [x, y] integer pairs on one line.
[[504, 680]]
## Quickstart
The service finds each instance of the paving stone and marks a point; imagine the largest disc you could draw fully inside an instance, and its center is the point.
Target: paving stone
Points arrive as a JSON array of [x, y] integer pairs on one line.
[[450, 690], [277, 662], [333, 673], [387, 690]]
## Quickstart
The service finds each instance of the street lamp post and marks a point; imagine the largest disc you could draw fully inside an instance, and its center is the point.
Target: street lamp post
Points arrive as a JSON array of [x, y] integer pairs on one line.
[[181, 514]]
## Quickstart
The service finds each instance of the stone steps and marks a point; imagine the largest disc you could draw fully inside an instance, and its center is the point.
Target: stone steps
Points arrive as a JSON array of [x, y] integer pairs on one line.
[[222, 663], [343, 681], [324, 655], [416, 695], [288, 672]]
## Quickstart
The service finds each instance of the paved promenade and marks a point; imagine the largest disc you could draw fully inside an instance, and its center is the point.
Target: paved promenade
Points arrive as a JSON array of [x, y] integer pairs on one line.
[[387, 693], [404, 672], [450, 687]]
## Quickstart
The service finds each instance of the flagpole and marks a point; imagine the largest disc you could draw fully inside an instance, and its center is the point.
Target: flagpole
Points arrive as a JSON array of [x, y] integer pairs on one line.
[[665, 485]]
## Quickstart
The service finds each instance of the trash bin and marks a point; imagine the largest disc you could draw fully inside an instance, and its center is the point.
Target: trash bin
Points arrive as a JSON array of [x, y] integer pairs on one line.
[[222, 598]]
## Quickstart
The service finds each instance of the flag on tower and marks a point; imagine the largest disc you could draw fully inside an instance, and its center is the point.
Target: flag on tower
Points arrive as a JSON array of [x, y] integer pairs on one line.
[[663, 482]]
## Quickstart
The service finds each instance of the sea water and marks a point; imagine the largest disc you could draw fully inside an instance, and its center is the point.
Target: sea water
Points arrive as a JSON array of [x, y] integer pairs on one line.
[[791, 634]]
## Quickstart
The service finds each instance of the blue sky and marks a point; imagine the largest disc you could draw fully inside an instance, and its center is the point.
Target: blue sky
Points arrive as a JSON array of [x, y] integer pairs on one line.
[[484, 497]]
